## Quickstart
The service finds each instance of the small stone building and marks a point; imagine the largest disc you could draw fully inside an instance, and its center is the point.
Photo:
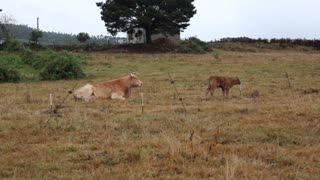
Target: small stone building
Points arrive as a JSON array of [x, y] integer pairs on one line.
[[138, 36]]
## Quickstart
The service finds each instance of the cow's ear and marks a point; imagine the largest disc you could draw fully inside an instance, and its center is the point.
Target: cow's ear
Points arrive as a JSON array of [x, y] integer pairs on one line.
[[130, 74]]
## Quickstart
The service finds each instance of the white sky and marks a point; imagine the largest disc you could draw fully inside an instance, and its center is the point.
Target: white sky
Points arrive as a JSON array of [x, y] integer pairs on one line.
[[215, 19]]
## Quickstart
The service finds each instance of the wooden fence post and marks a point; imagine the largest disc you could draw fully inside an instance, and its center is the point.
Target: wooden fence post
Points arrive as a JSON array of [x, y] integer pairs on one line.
[[142, 103], [51, 102]]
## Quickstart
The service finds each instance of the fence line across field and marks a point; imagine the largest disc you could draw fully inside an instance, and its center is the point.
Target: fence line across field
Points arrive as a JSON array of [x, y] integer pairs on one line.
[[177, 92], [54, 110], [142, 102]]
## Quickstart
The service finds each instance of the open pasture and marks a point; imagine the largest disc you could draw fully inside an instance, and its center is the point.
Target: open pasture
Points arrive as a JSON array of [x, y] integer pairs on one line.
[[269, 131]]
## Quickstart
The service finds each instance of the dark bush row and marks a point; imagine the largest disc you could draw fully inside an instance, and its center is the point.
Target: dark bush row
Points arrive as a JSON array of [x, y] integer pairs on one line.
[[193, 45], [315, 43], [16, 45], [89, 47]]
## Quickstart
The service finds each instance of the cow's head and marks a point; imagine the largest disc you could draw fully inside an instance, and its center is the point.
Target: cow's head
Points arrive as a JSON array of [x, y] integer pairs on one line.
[[134, 80], [236, 81]]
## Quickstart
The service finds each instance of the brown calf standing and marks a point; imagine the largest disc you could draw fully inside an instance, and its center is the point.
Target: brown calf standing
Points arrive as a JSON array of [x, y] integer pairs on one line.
[[225, 83]]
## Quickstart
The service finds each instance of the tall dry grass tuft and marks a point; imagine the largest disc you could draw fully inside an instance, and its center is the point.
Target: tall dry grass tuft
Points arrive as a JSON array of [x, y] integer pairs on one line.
[[231, 166]]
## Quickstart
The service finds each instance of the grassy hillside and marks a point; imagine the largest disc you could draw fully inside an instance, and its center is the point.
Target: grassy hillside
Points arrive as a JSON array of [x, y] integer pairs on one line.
[[23, 33], [263, 133]]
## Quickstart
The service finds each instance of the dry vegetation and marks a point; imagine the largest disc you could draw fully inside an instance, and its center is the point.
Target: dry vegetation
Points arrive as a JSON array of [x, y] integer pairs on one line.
[[265, 133]]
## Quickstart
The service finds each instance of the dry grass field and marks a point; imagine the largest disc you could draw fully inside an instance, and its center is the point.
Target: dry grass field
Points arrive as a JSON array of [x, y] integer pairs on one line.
[[264, 133]]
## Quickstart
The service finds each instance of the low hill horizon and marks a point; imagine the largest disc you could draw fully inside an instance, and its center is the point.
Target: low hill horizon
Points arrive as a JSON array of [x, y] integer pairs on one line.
[[23, 33]]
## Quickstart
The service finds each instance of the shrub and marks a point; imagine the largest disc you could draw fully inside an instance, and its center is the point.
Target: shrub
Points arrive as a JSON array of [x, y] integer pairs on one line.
[[36, 60], [193, 45], [8, 75], [49, 65], [39, 60], [13, 45], [62, 67], [215, 55], [10, 61]]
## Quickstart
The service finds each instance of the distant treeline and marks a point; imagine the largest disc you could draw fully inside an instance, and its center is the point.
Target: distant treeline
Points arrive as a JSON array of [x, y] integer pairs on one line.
[[23, 33], [281, 42]]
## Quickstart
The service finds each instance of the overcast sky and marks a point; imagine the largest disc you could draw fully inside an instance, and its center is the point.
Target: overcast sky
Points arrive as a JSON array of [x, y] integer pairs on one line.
[[215, 19]]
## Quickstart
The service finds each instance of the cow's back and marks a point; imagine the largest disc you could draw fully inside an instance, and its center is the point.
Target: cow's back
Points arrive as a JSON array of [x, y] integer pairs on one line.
[[216, 80], [103, 90], [106, 89]]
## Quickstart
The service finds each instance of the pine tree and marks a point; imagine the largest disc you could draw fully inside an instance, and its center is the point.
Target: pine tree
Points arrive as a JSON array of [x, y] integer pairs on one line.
[[154, 16], [35, 35], [83, 37]]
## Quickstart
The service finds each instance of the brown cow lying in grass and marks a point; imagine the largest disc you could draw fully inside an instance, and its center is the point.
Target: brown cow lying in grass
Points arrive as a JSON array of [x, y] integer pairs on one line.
[[225, 83], [113, 89]]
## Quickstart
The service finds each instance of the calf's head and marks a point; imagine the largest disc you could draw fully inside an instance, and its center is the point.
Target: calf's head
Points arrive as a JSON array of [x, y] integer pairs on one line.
[[134, 80]]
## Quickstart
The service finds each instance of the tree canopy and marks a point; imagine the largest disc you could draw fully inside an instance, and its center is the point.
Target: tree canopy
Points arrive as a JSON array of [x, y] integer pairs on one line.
[[35, 35], [83, 37], [154, 16]]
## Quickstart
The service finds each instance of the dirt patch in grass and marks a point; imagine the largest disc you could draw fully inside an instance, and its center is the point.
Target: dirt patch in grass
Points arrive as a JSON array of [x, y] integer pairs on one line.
[[311, 91]]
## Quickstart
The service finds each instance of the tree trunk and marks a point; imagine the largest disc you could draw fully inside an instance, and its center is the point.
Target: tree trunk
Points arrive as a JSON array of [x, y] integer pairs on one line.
[[148, 35]]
